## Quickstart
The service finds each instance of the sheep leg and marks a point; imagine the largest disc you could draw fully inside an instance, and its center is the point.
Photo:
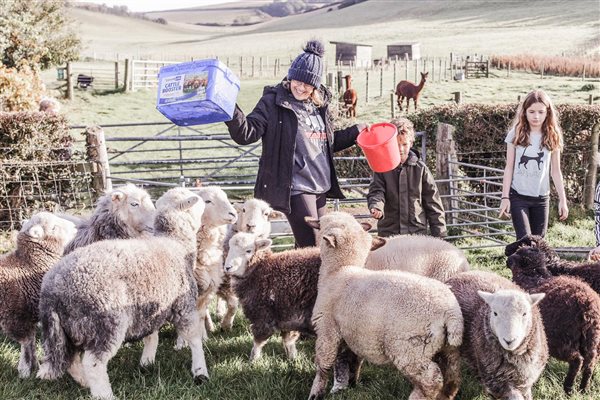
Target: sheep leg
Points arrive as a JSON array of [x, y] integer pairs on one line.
[[76, 370], [96, 374], [232, 305], [425, 376], [209, 325], [588, 369], [326, 349], [221, 306], [400, 100], [574, 367], [346, 370], [27, 359], [257, 348], [449, 362], [149, 352], [289, 343], [191, 330]]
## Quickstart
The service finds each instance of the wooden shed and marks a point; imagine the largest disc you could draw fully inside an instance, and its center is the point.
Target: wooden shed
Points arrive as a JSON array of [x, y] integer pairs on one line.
[[348, 53], [413, 50]]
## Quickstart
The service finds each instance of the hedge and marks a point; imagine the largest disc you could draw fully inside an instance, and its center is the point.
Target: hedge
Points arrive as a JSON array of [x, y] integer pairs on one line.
[[480, 133]]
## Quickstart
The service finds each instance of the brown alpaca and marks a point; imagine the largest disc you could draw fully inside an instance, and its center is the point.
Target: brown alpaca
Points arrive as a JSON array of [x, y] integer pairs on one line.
[[350, 98], [409, 90]]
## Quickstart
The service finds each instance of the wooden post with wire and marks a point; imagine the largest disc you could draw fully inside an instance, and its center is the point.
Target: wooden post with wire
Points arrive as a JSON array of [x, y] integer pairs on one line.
[[97, 155], [590, 177]]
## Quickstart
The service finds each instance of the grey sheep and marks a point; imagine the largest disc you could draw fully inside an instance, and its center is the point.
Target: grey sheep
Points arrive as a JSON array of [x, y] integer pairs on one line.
[[123, 213], [113, 291], [570, 311], [40, 244], [504, 340]]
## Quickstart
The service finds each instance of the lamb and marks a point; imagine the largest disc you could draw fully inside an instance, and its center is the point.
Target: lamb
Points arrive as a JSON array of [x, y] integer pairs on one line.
[[39, 245], [277, 290], [504, 340], [588, 271], [429, 256], [570, 311], [254, 216], [121, 214], [209, 259], [113, 291], [382, 316]]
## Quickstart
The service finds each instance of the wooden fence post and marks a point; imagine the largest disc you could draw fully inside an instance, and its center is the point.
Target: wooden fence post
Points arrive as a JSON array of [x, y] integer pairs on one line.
[[116, 74], [392, 108], [589, 187], [69, 82], [98, 157], [457, 97], [340, 79], [126, 73], [591, 99], [367, 87], [381, 82], [445, 150]]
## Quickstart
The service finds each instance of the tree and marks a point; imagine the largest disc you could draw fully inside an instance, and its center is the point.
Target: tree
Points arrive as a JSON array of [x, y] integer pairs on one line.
[[36, 33]]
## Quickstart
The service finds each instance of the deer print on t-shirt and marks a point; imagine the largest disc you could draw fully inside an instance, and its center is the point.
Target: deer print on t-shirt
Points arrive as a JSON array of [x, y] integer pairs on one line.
[[524, 160]]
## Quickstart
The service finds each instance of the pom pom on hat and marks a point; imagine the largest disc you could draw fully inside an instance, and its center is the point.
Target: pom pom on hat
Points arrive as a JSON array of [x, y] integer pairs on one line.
[[308, 66]]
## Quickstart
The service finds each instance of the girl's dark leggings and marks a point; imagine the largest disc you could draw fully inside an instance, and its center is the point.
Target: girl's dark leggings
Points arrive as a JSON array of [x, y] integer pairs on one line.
[[305, 205], [529, 214]]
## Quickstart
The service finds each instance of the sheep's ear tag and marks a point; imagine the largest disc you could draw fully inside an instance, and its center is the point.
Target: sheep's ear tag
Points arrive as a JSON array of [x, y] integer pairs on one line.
[[313, 222], [366, 226], [330, 240], [536, 298], [117, 195], [36, 231], [378, 242]]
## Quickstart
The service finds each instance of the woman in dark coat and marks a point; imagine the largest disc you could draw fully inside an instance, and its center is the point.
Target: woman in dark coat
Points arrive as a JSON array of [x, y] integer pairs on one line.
[[296, 173]]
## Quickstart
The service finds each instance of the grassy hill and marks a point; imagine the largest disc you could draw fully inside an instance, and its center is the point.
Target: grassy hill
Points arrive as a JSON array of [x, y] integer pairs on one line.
[[462, 26]]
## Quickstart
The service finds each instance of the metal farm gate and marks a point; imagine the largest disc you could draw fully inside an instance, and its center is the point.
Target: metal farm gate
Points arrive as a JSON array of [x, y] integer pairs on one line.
[[161, 155]]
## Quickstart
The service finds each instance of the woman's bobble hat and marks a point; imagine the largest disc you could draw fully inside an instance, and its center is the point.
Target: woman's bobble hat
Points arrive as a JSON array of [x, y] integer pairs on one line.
[[308, 66]]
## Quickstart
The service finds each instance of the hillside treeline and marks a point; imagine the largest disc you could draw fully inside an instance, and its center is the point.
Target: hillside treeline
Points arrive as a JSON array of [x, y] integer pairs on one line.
[[122, 11]]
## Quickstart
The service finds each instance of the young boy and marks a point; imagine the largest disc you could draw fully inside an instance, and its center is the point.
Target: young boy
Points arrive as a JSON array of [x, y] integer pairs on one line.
[[406, 198]]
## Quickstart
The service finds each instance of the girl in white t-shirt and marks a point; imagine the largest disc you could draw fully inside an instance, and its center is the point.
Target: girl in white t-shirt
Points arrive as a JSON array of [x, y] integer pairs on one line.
[[533, 147]]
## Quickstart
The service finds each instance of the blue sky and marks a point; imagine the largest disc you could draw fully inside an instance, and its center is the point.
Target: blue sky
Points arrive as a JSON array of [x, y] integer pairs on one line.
[[155, 5]]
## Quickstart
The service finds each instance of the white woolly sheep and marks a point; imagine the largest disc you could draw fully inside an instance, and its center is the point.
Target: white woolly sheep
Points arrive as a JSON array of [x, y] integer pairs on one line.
[[113, 291], [382, 316], [504, 340], [123, 213], [40, 244], [424, 255], [277, 290]]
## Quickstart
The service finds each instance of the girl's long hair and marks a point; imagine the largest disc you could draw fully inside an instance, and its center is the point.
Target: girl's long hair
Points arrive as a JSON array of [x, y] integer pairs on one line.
[[316, 97], [552, 137]]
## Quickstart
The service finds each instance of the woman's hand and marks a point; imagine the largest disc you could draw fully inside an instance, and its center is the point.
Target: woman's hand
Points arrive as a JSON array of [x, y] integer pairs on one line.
[[375, 213], [594, 254], [504, 208], [563, 210]]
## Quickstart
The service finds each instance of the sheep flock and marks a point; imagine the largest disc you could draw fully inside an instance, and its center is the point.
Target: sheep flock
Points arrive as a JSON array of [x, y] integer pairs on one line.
[[76, 289]]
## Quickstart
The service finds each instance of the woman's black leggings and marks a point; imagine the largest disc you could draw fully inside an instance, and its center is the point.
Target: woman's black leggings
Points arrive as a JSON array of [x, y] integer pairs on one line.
[[305, 205], [529, 214]]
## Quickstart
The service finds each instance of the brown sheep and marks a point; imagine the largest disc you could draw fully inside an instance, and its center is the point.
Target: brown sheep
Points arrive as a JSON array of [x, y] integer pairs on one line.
[[570, 311]]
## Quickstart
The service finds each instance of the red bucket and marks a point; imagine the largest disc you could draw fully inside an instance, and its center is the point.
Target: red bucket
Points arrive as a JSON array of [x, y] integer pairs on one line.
[[380, 146]]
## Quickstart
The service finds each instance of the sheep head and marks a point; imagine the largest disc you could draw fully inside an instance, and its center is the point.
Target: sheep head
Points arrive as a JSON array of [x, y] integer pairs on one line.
[[510, 315], [218, 210], [48, 230], [530, 240], [342, 239], [528, 262], [255, 216], [243, 247], [179, 213], [133, 206]]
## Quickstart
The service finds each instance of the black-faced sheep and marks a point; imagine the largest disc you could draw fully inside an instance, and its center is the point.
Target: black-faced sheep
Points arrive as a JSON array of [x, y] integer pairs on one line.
[[276, 290], [588, 271], [570, 311], [382, 316], [504, 340], [40, 244], [124, 213], [113, 291], [424, 255]]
